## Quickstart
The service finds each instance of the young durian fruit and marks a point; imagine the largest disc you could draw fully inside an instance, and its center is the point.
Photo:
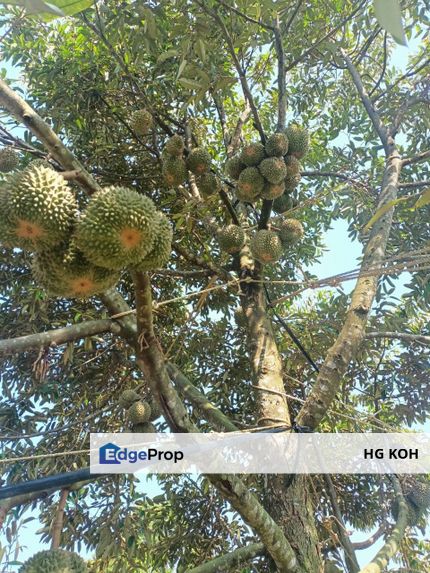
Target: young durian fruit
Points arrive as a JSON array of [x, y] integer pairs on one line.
[[283, 203], [298, 140], [139, 413], [276, 145], [127, 398], [252, 154], [118, 228], [231, 238], [199, 161], [266, 246], [146, 428], [175, 146], [419, 494], [64, 271], [54, 561], [234, 167], [38, 209], [273, 169], [141, 121], [161, 247], [9, 160], [272, 191], [291, 182], [208, 184], [290, 231], [250, 185], [293, 165], [174, 171]]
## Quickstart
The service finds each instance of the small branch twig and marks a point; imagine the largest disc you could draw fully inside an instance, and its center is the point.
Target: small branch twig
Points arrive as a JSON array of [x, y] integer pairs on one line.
[[57, 526]]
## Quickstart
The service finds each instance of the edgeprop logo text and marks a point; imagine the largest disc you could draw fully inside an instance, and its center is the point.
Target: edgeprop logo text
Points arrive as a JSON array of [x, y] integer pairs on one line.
[[112, 454]]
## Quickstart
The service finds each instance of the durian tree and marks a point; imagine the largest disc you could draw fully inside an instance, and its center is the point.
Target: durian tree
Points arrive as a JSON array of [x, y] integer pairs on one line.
[[168, 172]]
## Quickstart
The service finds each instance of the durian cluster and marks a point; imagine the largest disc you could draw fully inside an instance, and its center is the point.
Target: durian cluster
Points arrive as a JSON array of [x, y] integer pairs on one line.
[[417, 496], [8, 160], [140, 414], [79, 254], [54, 561], [176, 166], [141, 121], [267, 245], [270, 171]]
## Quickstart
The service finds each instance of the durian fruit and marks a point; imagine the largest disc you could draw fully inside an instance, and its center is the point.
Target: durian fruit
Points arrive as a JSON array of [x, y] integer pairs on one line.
[[273, 169], [161, 247], [252, 154], [199, 161], [266, 246], [298, 140], [139, 412], [291, 182], [250, 184], [282, 203], [8, 160], [118, 228], [141, 121], [272, 191], [146, 428], [414, 514], [174, 171], [208, 184], [231, 238], [39, 162], [293, 165], [276, 145], [156, 410], [175, 146], [38, 209], [234, 167], [64, 271], [290, 231], [419, 494], [127, 398], [54, 561]]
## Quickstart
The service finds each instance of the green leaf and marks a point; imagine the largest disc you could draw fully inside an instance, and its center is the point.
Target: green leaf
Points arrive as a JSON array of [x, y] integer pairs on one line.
[[423, 200], [389, 15], [382, 210]]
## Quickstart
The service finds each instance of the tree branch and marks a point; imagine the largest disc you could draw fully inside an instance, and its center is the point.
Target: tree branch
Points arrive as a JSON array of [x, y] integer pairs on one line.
[[418, 338], [19, 109], [57, 526], [230, 560], [360, 545], [391, 546], [417, 158], [57, 336]]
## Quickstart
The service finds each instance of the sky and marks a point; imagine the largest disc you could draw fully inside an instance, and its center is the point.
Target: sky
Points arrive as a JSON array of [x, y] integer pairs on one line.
[[340, 254]]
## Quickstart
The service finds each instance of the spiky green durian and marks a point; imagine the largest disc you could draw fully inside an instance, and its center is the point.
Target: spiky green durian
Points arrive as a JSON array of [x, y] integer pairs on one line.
[[234, 167], [118, 228], [250, 184], [231, 238], [419, 494], [161, 248], [273, 169], [208, 184], [272, 191], [38, 209], [276, 145], [292, 182], [64, 271], [139, 413], [199, 161], [8, 160], [127, 398], [146, 428], [282, 203], [156, 410], [414, 513], [298, 140], [174, 171], [39, 162], [54, 561], [290, 231], [252, 154], [266, 246], [293, 165], [175, 146], [141, 121]]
